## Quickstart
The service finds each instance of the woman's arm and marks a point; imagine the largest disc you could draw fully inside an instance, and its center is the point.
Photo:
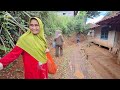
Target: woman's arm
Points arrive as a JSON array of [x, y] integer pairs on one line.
[[10, 57]]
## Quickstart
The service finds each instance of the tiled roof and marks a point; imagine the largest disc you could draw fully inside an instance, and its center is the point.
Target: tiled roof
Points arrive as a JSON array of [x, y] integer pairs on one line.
[[113, 15], [92, 26]]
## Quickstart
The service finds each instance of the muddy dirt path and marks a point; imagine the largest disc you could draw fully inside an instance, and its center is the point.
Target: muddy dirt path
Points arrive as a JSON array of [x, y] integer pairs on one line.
[[99, 64], [103, 62]]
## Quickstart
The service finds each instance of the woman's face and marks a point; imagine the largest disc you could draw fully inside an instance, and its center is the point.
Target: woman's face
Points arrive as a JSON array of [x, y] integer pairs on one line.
[[34, 26]]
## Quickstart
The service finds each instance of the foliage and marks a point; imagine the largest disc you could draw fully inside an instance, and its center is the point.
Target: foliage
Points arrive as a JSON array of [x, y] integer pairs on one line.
[[54, 22], [80, 21], [11, 28], [91, 14], [14, 23]]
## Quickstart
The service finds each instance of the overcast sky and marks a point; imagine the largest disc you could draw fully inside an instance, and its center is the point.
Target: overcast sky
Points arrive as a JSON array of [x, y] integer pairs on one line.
[[96, 19]]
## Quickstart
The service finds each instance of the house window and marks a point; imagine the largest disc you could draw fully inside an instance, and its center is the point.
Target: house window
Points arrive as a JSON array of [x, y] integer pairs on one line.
[[64, 13], [104, 33]]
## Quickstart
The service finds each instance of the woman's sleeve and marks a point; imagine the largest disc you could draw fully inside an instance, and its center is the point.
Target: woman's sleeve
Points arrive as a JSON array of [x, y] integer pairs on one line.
[[11, 56]]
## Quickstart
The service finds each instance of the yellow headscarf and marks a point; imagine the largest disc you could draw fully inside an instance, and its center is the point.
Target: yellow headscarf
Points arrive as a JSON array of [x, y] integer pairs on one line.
[[35, 45]]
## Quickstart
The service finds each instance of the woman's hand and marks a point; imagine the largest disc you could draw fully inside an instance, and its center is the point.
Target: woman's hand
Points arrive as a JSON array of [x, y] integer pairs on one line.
[[1, 66], [47, 50]]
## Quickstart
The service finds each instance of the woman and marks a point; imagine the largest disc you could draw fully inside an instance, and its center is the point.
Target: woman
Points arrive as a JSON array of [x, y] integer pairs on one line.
[[58, 43], [33, 47]]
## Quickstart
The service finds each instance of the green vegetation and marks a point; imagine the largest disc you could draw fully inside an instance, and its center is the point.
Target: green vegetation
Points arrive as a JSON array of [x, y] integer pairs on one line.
[[14, 23]]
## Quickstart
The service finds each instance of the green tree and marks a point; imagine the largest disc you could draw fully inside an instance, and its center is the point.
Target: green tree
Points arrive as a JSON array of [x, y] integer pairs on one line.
[[92, 14]]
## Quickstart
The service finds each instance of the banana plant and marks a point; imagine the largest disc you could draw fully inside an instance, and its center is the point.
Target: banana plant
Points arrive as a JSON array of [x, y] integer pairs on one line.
[[11, 19], [9, 22]]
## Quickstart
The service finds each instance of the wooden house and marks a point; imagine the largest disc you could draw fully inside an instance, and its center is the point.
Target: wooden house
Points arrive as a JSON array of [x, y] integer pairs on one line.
[[107, 33], [66, 13]]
